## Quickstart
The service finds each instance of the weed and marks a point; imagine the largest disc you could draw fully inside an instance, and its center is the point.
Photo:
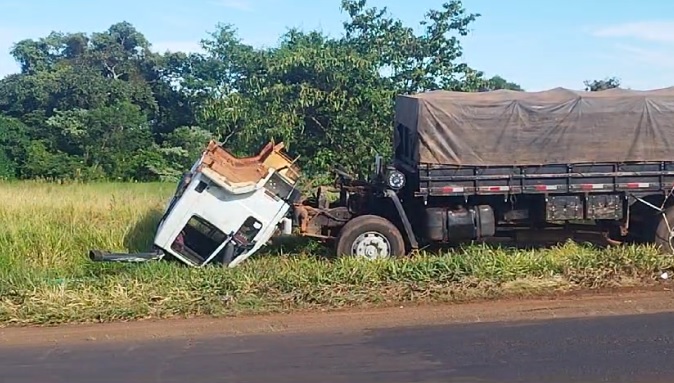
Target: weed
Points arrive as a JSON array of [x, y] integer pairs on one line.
[[46, 277]]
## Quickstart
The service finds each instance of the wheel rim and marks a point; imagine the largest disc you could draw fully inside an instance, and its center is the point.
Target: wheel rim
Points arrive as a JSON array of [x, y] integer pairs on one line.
[[371, 245]]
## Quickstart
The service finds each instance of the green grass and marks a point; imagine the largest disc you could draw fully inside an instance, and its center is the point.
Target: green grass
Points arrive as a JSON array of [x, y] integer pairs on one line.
[[46, 277]]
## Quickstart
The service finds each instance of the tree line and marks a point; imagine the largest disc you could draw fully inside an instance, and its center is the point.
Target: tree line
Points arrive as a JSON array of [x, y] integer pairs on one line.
[[105, 106]]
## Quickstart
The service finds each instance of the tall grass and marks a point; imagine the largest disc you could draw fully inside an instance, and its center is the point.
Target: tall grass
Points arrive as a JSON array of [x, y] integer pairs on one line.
[[46, 277]]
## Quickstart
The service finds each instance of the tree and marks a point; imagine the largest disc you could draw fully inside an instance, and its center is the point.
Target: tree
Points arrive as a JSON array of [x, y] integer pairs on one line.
[[319, 95], [414, 63], [91, 102], [14, 143], [330, 99], [597, 85], [103, 105], [498, 82]]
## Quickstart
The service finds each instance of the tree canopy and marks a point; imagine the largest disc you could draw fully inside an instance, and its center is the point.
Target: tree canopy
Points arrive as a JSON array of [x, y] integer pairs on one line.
[[106, 106], [605, 84]]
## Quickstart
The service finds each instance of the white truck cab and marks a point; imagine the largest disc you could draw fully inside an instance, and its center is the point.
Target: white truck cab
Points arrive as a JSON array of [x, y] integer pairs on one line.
[[225, 208]]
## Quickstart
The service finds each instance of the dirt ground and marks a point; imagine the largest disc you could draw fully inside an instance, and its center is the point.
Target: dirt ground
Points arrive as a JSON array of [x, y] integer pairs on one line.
[[606, 303]]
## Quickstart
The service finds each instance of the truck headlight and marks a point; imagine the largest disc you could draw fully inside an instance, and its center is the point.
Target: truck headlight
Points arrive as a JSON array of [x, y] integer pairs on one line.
[[395, 179]]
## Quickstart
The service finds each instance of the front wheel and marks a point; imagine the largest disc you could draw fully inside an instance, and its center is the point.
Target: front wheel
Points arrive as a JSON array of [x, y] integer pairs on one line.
[[370, 237]]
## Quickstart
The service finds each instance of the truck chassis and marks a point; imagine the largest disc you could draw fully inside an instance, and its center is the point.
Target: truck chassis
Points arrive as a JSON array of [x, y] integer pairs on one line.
[[624, 203]]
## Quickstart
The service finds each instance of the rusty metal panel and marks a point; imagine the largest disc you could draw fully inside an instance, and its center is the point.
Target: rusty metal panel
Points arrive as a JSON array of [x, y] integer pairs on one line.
[[564, 208], [604, 206], [250, 169]]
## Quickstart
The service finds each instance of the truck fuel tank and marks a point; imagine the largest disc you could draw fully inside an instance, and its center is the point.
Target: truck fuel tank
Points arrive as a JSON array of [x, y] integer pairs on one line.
[[444, 224]]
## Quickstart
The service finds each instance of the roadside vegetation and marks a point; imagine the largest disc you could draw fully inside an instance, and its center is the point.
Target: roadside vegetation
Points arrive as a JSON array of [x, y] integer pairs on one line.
[[46, 277], [93, 108]]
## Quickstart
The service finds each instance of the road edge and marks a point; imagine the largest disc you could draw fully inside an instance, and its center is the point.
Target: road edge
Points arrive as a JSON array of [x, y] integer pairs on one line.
[[505, 310]]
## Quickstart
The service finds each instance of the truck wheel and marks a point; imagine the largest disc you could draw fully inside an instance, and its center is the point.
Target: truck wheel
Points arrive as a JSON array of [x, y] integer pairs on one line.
[[371, 237], [664, 234]]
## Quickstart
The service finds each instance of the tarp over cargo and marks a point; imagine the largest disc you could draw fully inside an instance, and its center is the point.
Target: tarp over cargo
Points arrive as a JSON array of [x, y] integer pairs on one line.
[[557, 126]]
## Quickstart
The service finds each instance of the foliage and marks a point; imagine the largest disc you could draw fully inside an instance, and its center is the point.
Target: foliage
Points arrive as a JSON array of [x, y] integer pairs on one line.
[[597, 85], [46, 277], [106, 106], [14, 144], [498, 82]]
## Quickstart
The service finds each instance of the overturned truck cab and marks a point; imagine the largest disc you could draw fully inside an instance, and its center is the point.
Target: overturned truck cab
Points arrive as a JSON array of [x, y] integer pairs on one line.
[[224, 209]]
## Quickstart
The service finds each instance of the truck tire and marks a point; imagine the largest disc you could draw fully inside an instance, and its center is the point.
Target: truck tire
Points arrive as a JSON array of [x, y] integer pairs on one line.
[[664, 234], [370, 237]]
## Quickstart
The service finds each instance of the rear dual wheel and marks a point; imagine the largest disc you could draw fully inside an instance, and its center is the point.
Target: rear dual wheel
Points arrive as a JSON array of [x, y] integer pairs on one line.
[[370, 237]]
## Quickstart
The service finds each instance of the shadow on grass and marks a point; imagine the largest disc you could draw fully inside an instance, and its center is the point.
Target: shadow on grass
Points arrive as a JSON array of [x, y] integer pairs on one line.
[[531, 240], [140, 237], [138, 240], [296, 245], [527, 241]]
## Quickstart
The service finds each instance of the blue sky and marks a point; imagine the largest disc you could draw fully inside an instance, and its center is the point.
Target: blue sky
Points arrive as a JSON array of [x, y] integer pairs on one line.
[[538, 44]]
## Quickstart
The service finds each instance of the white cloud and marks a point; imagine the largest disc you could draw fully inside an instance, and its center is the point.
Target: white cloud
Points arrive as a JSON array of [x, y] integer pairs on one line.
[[241, 5], [656, 31], [635, 56], [663, 58], [177, 46], [646, 44]]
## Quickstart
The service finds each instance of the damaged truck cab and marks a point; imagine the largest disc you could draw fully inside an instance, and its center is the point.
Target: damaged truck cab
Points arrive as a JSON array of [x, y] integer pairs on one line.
[[224, 209]]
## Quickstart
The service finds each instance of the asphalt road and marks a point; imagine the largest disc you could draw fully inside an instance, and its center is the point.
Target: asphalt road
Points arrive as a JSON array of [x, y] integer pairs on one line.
[[637, 348]]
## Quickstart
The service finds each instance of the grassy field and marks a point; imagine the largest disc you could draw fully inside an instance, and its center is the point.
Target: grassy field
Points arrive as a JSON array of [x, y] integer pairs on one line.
[[46, 277]]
